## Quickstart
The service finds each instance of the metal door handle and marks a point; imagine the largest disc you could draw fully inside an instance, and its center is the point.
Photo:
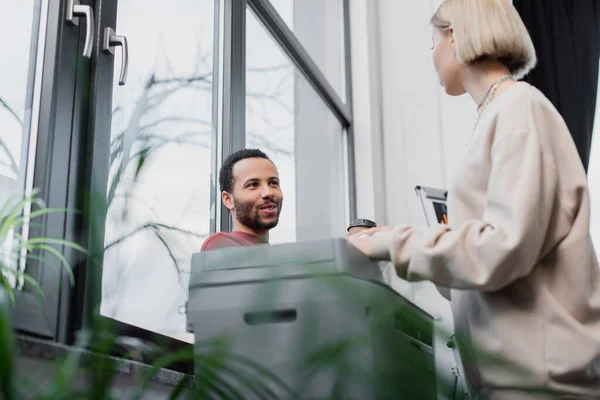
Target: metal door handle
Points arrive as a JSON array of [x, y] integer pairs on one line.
[[75, 11], [109, 42]]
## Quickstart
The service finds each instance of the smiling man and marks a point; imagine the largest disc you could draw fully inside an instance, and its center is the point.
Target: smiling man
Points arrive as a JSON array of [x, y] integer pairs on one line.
[[250, 190]]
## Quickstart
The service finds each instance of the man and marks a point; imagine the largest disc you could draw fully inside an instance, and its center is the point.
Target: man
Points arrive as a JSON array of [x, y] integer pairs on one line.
[[250, 189]]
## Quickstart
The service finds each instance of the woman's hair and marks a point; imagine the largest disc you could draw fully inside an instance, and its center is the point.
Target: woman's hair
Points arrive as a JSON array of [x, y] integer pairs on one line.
[[488, 30]]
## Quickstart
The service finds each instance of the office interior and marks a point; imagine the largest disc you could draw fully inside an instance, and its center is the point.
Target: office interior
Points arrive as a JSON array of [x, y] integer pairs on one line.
[[124, 111]]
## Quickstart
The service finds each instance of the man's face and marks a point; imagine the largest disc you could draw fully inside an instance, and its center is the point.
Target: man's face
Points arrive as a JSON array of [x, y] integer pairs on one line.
[[256, 196]]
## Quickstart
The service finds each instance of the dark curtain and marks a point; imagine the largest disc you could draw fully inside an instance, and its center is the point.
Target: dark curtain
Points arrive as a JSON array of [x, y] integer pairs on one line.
[[566, 36]]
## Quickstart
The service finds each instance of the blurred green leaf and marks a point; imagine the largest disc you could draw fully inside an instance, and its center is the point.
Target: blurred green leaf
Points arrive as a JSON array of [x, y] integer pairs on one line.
[[8, 205], [46, 240], [6, 286], [143, 156], [20, 221], [58, 255], [67, 371], [33, 284], [7, 221], [7, 351]]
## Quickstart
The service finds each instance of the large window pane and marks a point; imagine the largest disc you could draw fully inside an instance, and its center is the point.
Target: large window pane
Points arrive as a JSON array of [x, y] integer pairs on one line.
[[287, 119], [19, 29], [160, 164], [319, 26]]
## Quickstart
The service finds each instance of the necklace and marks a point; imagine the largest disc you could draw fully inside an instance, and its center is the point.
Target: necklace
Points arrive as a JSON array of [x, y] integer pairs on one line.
[[489, 95]]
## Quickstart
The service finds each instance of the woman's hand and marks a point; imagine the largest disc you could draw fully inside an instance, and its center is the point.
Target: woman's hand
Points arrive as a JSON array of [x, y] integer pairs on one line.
[[370, 231], [362, 243], [362, 240]]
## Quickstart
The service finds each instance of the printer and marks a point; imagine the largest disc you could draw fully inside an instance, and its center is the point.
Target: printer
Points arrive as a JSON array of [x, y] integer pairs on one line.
[[315, 319]]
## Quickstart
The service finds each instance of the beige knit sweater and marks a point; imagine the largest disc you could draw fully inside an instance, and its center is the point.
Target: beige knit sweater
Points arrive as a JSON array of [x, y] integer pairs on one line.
[[517, 254]]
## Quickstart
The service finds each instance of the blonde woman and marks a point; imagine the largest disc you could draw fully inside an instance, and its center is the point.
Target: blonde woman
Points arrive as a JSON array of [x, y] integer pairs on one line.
[[523, 278]]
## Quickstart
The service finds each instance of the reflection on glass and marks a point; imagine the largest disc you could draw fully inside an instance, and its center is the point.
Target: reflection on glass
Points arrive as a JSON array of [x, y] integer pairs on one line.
[[160, 162], [319, 26], [19, 26], [288, 120], [270, 116]]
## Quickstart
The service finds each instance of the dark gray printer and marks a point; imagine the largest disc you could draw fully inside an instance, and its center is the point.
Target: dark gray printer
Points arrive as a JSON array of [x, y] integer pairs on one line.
[[315, 314]]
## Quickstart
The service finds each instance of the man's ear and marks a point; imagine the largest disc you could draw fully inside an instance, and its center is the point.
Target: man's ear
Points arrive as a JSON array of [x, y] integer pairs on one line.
[[227, 200]]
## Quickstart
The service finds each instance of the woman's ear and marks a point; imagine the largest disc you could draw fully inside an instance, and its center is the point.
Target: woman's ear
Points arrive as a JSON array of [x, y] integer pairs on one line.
[[450, 32], [227, 200]]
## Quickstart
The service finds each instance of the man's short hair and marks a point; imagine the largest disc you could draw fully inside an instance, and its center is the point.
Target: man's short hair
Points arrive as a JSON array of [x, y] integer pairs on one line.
[[226, 173]]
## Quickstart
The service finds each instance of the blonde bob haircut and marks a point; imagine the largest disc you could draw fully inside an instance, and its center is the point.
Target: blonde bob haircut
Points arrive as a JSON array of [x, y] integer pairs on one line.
[[487, 30]]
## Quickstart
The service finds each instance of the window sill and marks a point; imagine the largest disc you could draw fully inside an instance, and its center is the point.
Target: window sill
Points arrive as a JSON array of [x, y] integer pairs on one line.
[[37, 352]]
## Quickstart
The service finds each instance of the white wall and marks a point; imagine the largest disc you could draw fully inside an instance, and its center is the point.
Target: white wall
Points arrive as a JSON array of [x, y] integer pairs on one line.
[[368, 138], [424, 130], [408, 132]]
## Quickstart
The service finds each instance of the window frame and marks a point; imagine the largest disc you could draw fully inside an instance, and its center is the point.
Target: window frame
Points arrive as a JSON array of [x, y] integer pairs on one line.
[[53, 174], [233, 134], [72, 139]]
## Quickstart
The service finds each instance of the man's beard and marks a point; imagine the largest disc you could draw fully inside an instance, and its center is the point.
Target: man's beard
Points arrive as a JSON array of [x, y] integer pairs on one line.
[[243, 213]]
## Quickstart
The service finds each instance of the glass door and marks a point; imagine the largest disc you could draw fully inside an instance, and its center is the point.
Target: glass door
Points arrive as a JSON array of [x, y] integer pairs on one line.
[[151, 157]]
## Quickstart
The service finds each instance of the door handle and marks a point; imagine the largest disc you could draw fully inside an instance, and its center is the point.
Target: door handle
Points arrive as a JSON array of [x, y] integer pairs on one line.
[[112, 40], [74, 11]]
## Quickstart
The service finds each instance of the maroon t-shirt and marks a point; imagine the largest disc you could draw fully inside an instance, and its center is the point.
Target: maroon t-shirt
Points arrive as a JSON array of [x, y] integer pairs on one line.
[[221, 240]]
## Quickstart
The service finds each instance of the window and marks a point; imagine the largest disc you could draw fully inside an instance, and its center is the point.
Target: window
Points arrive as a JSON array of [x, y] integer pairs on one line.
[[158, 193], [18, 114], [286, 118], [319, 26], [164, 153], [270, 116], [141, 157]]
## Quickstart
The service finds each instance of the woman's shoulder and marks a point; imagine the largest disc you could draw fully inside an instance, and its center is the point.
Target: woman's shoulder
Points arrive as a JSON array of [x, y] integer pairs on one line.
[[524, 110], [525, 100], [522, 107]]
